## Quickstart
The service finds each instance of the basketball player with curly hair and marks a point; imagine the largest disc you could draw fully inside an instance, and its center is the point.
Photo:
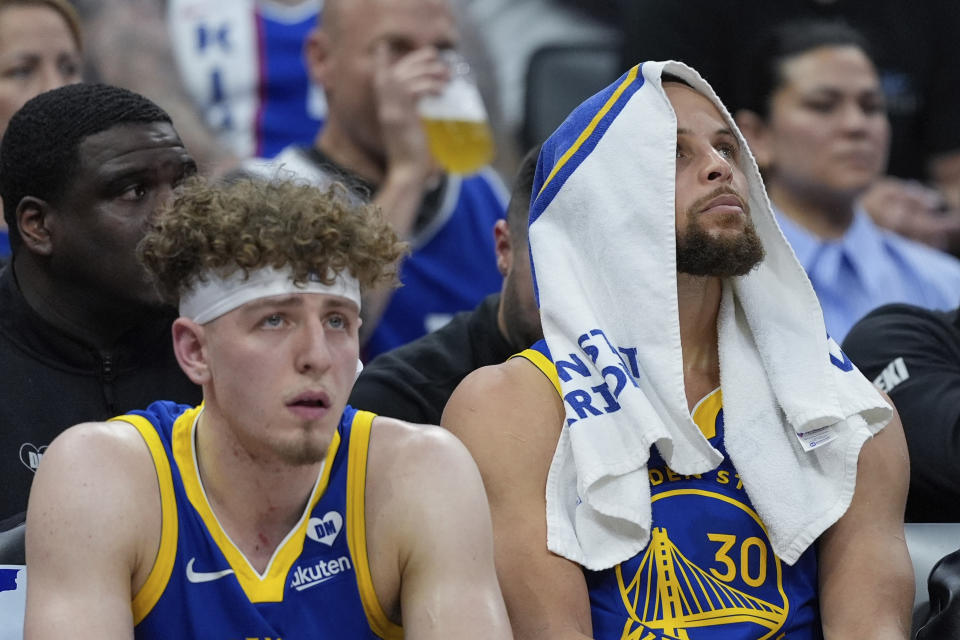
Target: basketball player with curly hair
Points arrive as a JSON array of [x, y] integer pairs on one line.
[[273, 509]]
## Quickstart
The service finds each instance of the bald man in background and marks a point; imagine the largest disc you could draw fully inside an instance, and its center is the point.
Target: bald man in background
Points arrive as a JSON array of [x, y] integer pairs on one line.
[[376, 59]]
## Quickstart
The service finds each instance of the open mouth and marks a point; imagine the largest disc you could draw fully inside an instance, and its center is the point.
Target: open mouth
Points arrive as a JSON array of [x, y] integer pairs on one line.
[[309, 403]]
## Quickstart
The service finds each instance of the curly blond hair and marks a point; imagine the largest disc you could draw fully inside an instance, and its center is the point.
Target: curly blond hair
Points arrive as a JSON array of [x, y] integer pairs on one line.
[[250, 224]]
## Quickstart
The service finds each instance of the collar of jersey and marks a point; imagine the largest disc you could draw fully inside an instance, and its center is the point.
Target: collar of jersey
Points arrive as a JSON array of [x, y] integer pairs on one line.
[[705, 412], [268, 586]]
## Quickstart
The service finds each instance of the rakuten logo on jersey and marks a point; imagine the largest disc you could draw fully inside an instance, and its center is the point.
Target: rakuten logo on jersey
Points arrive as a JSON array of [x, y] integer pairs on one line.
[[306, 577]]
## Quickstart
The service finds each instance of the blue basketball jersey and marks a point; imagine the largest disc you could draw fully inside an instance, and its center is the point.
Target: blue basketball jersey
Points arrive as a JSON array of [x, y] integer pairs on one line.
[[242, 63], [709, 571], [452, 266], [318, 582]]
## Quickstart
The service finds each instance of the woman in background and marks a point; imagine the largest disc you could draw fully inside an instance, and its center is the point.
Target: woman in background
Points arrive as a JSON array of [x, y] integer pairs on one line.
[[40, 49], [816, 121]]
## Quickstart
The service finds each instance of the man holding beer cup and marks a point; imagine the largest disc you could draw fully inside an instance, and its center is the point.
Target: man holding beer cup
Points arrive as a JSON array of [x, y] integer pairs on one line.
[[392, 78]]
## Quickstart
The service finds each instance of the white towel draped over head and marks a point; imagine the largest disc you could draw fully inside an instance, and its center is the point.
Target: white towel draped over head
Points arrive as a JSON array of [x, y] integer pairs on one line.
[[603, 248]]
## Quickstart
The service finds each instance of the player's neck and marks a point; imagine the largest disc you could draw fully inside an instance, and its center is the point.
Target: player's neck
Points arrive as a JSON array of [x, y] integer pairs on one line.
[[698, 304], [257, 502], [337, 145]]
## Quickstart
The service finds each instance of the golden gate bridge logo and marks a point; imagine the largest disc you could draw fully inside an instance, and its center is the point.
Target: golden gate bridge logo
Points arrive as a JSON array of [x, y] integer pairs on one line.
[[679, 596]]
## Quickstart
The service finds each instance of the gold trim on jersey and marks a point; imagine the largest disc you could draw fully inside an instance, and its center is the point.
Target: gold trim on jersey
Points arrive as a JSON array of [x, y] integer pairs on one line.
[[149, 594], [705, 412], [543, 363], [269, 586], [357, 526]]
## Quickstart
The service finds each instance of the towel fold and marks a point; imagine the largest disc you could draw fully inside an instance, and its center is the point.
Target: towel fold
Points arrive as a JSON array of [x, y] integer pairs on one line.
[[603, 248]]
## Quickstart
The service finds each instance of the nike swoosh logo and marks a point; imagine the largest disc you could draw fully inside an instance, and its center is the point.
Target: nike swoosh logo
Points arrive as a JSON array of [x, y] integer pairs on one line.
[[204, 576]]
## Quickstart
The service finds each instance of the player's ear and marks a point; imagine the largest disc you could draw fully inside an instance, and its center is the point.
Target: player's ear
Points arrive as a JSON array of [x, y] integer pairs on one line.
[[189, 347], [34, 220], [503, 247], [316, 54]]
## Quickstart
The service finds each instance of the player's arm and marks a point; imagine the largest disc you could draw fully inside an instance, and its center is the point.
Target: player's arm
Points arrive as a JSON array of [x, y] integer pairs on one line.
[[866, 577], [431, 515], [86, 533], [510, 417]]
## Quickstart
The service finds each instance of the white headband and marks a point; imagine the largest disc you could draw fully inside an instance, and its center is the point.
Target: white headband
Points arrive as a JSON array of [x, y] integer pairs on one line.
[[214, 295]]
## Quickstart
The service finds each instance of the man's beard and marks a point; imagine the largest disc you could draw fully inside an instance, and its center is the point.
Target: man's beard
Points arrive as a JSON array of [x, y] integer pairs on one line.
[[701, 254], [302, 453], [520, 316]]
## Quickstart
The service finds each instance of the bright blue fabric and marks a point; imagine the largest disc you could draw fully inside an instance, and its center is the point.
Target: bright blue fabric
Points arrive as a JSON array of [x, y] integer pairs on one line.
[[451, 271], [319, 600], [709, 571], [285, 85], [869, 267]]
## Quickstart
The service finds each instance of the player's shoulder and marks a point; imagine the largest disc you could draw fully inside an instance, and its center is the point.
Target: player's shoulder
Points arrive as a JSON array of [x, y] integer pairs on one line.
[[95, 472], [511, 386], [508, 415], [401, 444], [102, 465], [86, 444]]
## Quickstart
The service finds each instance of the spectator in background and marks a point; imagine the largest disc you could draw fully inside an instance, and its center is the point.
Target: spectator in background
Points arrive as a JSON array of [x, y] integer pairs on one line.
[[913, 354], [230, 72], [915, 47], [413, 382], [242, 63], [40, 48], [83, 334], [815, 119], [376, 60]]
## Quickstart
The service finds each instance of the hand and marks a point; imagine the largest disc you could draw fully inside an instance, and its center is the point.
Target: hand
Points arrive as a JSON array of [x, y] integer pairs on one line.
[[913, 210], [398, 86]]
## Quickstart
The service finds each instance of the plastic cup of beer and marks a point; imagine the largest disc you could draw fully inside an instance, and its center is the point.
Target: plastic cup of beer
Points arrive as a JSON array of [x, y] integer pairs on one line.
[[455, 121]]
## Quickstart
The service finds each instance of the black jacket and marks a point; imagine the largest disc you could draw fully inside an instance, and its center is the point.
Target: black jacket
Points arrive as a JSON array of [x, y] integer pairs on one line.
[[414, 382], [50, 380]]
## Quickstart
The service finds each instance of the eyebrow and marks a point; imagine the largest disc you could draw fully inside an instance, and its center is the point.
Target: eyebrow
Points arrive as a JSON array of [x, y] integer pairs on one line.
[[728, 133], [274, 301], [122, 176], [296, 300], [725, 131], [722, 131]]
